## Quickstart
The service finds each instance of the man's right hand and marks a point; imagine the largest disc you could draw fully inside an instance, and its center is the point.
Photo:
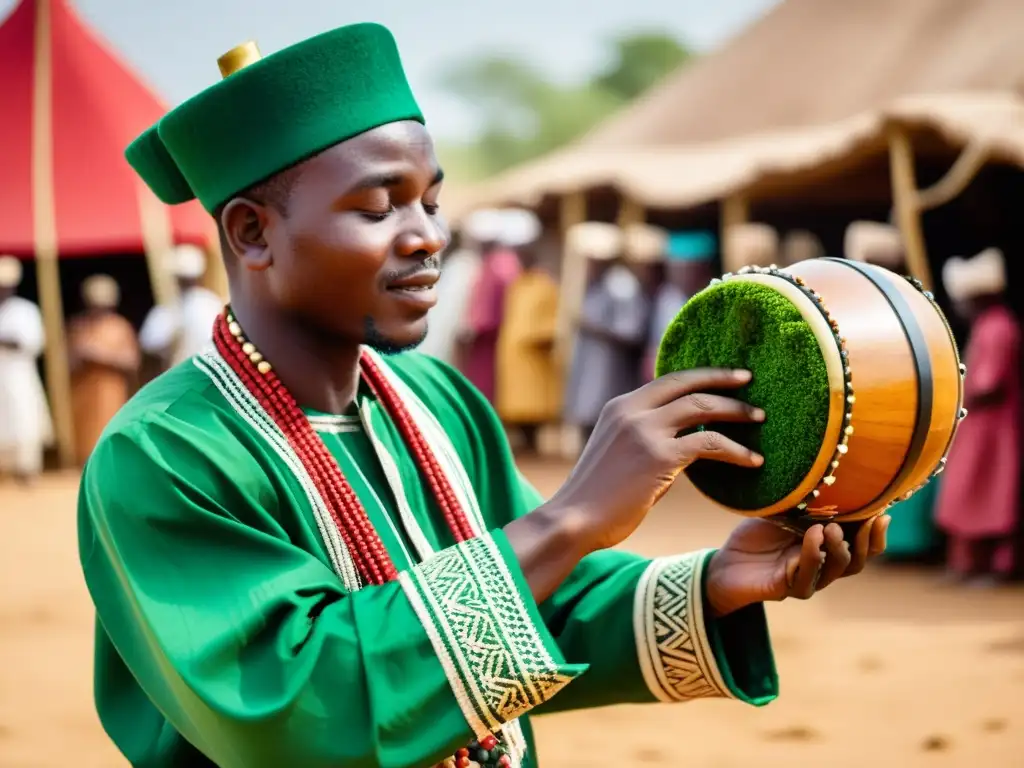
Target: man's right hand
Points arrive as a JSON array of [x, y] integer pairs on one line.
[[635, 454]]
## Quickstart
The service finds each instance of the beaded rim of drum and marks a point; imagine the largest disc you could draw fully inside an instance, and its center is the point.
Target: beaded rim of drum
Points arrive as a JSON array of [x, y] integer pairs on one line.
[[362, 540], [799, 516], [849, 398]]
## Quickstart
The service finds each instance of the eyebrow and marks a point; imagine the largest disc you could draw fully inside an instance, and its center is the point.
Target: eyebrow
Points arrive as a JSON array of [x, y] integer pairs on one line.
[[385, 180]]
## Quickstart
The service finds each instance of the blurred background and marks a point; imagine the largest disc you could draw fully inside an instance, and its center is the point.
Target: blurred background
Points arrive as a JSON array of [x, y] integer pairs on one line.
[[603, 162]]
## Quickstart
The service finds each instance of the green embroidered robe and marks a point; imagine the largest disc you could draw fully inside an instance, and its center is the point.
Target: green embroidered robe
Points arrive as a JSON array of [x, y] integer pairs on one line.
[[233, 629]]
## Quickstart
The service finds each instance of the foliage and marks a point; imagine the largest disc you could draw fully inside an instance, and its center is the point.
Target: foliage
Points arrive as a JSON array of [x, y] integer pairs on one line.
[[523, 114]]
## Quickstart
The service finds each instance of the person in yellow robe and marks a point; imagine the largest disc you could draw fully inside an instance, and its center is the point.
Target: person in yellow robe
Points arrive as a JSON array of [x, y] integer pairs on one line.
[[529, 379], [105, 359]]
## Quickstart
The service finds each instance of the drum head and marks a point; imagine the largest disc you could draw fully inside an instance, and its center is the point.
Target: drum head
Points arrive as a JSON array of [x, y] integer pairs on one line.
[[734, 324]]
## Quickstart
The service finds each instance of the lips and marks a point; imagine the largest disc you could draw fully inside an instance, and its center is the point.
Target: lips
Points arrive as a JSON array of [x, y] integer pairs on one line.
[[421, 281]]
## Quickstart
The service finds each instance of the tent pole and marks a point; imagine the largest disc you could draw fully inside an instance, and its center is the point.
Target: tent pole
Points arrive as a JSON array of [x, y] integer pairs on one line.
[[630, 212], [58, 376], [735, 211], [572, 211], [216, 278], [157, 241], [904, 194]]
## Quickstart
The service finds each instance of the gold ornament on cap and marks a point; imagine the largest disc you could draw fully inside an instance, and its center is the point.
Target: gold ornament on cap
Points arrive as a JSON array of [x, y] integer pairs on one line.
[[239, 57]]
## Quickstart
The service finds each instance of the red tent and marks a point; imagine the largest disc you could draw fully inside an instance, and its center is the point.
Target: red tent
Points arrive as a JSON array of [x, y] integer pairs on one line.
[[69, 110], [97, 106]]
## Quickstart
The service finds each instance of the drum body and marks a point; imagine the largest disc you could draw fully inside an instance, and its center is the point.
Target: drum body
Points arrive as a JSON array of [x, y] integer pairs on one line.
[[887, 403]]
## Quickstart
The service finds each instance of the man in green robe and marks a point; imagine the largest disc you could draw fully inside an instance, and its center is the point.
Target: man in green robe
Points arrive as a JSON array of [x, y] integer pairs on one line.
[[308, 547]]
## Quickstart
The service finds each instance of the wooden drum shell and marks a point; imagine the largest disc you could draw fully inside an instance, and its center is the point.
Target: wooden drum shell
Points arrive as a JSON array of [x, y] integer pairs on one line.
[[893, 414]]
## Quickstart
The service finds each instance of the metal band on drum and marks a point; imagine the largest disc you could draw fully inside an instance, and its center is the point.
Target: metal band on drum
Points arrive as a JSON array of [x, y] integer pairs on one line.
[[922, 368]]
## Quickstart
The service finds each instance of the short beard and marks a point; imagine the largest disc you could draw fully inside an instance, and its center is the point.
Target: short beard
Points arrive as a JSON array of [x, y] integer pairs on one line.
[[374, 339]]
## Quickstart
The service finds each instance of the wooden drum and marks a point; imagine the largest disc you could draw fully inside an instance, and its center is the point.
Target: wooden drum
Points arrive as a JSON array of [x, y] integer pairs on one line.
[[859, 376]]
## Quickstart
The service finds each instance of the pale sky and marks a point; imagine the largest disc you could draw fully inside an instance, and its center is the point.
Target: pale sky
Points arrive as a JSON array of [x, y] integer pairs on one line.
[[174, 44]]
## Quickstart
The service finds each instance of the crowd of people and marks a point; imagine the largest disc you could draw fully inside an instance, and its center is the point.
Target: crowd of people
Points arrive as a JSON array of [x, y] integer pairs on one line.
[[549, 337], [550, 350], [105, 357]]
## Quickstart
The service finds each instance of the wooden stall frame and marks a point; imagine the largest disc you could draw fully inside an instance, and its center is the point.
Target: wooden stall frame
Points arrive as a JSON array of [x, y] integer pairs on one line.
[[58, 375], [905, 202]]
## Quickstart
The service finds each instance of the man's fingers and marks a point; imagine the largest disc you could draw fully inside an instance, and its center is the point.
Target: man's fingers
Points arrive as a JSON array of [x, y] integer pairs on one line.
[[861, 547], [672, 386], [717, 447], [837, 556], [809, 566], [879, 536], [698, 408]]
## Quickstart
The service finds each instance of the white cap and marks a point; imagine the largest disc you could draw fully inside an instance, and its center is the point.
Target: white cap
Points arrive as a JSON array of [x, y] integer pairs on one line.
[[483, 226], [519, 228], [101, 292], [750, 244], [800, 245], [644, 243], [595, 240], [874, 243], [188, 262], [981, 275], [10, 272]]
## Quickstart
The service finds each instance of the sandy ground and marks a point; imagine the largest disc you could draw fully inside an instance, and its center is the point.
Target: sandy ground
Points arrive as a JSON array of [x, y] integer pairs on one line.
[[887, 669]]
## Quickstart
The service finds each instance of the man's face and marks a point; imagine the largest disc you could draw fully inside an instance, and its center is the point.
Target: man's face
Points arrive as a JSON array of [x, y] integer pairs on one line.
[[356, 254]]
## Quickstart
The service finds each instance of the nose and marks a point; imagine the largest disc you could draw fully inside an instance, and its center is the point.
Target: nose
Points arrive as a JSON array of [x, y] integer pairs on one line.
[[425, 235]]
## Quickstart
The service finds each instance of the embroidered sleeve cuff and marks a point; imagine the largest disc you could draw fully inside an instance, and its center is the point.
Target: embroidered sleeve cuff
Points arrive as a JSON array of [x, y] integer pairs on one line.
[[685, 654], [486, 629]]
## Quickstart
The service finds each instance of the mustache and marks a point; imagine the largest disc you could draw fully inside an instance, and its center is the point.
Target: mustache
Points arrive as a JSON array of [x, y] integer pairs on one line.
[[429, 263]]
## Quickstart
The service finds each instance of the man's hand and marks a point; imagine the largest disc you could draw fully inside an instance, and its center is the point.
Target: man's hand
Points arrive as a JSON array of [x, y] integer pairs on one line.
[[635, 453], [761, 562]]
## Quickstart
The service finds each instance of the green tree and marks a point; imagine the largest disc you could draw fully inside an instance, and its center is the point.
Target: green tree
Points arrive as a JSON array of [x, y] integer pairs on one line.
[[640, 61], [525, 115]]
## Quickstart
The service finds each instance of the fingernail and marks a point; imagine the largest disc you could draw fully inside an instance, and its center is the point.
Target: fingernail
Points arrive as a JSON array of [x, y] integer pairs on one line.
[[741, 374], [758, 414], [758, 459]]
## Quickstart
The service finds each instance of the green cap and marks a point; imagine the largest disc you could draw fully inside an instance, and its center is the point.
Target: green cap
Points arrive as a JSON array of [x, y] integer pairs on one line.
[[271, 113]]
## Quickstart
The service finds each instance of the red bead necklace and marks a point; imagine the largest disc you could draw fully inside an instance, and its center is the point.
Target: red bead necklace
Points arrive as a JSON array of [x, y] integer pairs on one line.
[[361, 539]]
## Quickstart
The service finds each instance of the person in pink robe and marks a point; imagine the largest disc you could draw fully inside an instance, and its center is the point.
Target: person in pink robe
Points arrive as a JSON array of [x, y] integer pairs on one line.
[[978, 504], [499, 268]]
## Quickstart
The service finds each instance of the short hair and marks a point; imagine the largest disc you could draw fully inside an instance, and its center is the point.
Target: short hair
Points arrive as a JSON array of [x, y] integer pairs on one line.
[[275, 191]]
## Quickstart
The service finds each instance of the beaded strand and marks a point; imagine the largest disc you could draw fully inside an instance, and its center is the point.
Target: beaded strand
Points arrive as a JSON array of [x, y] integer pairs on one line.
[[371, 558]]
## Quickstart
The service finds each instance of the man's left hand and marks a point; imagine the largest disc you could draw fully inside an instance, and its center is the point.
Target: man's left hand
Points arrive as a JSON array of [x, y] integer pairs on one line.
[[762, 562]]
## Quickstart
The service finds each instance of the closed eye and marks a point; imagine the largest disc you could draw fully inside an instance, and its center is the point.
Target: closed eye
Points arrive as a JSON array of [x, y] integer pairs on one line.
[[377, 216]]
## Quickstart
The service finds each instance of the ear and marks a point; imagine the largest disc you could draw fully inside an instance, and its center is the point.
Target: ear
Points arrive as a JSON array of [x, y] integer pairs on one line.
[[244, 223]]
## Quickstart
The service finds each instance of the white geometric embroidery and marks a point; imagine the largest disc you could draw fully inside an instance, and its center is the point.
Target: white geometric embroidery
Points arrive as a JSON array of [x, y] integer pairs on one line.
[[248, 408], [676, 657], [494, 658]]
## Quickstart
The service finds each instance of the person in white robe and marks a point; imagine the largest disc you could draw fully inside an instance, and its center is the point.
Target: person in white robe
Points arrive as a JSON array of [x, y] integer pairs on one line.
[[175, 333], [26, 427], [460, 268]]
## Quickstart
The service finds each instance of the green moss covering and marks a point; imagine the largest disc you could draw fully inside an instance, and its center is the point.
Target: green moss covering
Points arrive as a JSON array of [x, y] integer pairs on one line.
[[750, 325]]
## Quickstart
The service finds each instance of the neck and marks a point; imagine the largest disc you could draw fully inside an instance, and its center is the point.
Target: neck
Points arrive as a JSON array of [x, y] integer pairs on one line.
[[319, 371]]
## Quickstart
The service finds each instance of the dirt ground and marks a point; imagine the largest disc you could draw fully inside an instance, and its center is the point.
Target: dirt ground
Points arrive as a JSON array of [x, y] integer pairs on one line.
[[888, 669]]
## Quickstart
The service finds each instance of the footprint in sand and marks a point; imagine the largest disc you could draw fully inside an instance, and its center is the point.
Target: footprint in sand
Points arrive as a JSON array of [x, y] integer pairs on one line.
[[650, 756], [793, 733], [935, 744], [994, 725], [870, 664]]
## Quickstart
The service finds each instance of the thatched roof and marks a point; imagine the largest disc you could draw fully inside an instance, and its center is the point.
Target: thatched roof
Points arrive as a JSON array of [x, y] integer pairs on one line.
[[815, 62], [667, 177], [811, 82]]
